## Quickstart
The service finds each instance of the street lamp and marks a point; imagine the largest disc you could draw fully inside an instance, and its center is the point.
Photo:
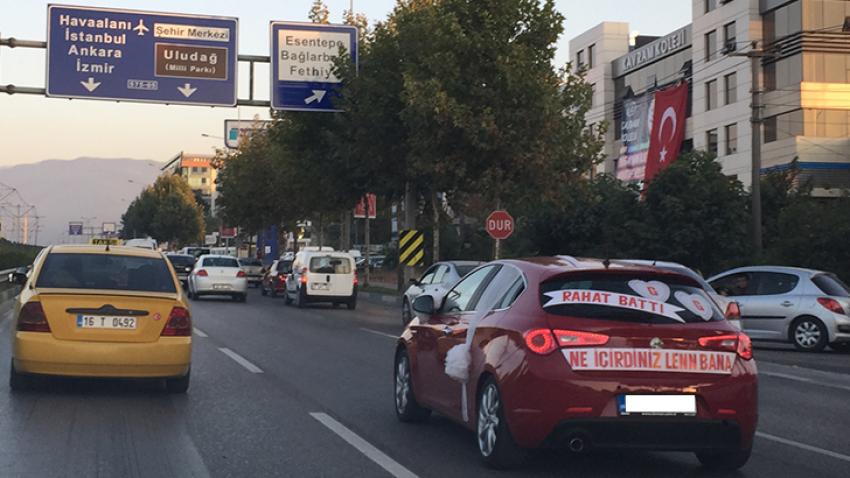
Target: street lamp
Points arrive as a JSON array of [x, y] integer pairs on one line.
[[205, 135]]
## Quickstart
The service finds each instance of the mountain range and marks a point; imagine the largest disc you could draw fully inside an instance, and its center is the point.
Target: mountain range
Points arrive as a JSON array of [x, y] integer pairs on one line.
[[90, 190]]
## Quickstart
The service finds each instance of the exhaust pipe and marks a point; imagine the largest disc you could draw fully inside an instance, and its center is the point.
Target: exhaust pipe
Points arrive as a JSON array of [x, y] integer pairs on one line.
[[576, 444]]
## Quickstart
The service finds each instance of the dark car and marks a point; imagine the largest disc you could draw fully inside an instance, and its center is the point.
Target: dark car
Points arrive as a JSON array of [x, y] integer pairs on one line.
[[183, 264], [274, 278]]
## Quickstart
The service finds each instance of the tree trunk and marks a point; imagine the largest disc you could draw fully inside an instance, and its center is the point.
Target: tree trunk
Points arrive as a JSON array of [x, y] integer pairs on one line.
[[435, 209]]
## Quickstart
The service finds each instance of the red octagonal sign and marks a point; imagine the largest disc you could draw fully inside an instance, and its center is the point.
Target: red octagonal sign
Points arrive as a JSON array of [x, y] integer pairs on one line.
[[500, 225]]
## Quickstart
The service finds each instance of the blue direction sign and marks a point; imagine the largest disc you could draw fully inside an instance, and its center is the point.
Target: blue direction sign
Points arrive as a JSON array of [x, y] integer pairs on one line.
[[129, 55], [302, 56]]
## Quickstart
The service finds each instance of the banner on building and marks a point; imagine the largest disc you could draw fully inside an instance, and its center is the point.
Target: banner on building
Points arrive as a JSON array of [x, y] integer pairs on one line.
[[669, 129], [635, 127], [360, 209]]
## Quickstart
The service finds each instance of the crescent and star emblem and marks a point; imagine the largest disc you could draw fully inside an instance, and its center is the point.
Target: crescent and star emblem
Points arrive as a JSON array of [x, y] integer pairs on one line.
[[669, 113]]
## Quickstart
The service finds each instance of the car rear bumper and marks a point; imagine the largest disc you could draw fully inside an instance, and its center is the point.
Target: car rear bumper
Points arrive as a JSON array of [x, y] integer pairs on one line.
[[207, 287], [647, 433], [40, 353], [330, 298]]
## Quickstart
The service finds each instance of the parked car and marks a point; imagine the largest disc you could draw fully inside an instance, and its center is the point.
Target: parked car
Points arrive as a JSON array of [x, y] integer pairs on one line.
[[274, 279], [218, 275], [196, 251], [806, 307], [253, 270], [322, 276], [183, 264], [584, 355], [722, 302], [441, 274]]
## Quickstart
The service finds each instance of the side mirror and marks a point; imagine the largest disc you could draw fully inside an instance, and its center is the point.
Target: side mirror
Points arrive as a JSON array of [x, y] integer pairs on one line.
[[733, 311], [414, 281], [424, 304], [19, 276]]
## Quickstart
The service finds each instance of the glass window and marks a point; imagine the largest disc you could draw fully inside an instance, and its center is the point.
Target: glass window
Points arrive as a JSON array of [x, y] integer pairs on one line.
[[465, 269], [735, 285], [250, 262], [459, 299], [731, 139], [428, 276], [284, 267], [710, 5], [830, 284], [769, 76], [194, 169], [181, 261], [711, 141], [611, 297], [512, 294], [203, 180], [440, 274], [710, 95], [774, 283], [592, 93], [498, 287], [580, 59], [591, 53], [711, 45], [769, 129], [219, 262], [330, 265], [729, 41], [730, 88], [105, 272]]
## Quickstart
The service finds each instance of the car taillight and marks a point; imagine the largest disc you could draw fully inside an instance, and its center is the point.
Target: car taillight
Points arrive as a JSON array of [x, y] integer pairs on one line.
[[240, 274], [832, 305], [738, 343], [356, 281], [544, 341], [202, 273], [281, 277], [179, 323], [32, 318], [304, 276]]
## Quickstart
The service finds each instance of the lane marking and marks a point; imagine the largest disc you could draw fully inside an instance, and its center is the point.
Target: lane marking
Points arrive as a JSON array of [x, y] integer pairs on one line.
[[370, 451], [803, 446], [377, 332], [804, 380], [240, 360], [200, 333]]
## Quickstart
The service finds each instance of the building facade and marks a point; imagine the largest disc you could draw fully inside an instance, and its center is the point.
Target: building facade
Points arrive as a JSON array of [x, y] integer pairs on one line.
[[804, 77], [197, 170]]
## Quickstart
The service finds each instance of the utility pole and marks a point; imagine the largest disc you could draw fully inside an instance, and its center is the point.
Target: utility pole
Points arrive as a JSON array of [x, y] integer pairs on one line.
[[755, 55]]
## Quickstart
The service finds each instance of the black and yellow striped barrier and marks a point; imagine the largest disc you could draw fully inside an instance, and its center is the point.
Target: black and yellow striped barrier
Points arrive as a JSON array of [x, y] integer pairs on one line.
[[411, 246]]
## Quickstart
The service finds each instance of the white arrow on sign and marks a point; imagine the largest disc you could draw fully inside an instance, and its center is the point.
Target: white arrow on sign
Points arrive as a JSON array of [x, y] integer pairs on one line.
[[187, 90], [318, 95], [90, 85]]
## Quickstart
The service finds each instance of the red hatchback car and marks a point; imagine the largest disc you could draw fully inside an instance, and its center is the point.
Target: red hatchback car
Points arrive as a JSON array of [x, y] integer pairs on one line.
[[582, 354]]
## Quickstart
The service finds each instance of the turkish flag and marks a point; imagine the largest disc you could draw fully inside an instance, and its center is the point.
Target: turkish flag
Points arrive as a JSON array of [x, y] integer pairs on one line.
[[668, 129]]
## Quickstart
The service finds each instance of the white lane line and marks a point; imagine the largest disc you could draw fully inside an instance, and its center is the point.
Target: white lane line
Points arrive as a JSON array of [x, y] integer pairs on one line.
[[200, 333], [804, 380], [393, 467], [377, 332], [803, 446], [240, 360]]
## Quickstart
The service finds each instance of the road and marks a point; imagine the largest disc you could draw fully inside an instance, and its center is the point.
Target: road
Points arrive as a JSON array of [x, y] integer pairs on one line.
[[278, 391]]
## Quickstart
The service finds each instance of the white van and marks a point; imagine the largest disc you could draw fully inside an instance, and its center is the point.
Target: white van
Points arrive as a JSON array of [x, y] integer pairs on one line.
[[322, 276], [146, 243]]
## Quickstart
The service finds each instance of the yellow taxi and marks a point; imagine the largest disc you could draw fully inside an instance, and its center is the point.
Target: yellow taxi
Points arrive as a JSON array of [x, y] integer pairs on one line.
[[102, 311]]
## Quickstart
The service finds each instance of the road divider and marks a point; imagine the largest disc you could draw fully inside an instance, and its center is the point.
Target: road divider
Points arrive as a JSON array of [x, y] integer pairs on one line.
[[803, 446], [200, 333], [367, 449], [377, 332], [240, 360]]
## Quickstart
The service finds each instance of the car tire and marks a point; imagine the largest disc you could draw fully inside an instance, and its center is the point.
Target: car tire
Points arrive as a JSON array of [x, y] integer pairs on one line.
[[406, 312], [724, 460], [18, 381], [407, 409], [808, 334], [840, 347], [273, 293], [179, 384], [286, 299], [299, 298], [351, 304], [496, 445], [263, 291], [243, 298]]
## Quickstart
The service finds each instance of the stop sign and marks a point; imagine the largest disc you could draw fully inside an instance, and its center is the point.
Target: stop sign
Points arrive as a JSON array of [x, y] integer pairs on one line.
[[500, 225]]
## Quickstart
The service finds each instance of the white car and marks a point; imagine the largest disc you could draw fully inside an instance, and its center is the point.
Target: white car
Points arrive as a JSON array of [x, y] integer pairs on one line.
[[218, 275], [441, 275], [322, 276]]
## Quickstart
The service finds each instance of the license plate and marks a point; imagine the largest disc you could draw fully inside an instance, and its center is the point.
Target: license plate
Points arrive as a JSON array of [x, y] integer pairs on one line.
[[320, 286], [221, 286], [106, 322], [657, 404]]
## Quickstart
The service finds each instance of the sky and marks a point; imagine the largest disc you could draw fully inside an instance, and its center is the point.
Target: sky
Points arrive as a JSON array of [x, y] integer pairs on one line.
[[35, 128]]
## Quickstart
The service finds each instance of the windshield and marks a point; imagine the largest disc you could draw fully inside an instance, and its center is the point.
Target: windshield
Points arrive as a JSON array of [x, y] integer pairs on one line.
[[628, 299], [219, 262], [106, 272], [330, 265], [181, 261], [830, 284], [465, 269]]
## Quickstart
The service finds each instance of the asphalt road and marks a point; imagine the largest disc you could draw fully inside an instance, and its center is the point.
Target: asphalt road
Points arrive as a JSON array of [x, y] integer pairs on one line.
[[278, 391]]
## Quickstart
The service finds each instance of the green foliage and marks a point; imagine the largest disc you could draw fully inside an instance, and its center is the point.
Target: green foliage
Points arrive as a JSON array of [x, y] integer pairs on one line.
[[319, 12], [166, 211], [13, 254]]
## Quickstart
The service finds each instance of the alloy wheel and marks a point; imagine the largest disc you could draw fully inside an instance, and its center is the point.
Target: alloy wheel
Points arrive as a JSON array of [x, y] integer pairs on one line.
[[402, 384], [488, 420], [807, 334]]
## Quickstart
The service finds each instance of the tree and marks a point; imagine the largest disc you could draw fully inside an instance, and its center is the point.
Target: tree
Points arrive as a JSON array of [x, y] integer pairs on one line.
[[695, 215], [166, 211], [319, 12]]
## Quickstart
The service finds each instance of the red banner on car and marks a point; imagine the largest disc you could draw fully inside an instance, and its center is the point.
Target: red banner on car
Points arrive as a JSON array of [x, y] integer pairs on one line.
[[650, 360]]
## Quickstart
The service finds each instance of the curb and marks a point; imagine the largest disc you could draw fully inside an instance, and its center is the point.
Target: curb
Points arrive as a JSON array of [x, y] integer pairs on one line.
[[384, 299]]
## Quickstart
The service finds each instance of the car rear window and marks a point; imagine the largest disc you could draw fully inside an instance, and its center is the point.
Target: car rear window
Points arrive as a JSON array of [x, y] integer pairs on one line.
[[628, 299], [284, 267], [220, 262], [181, 261], [464, 270], [250, 262], [830, 284], [330, 265], [105, 271]]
